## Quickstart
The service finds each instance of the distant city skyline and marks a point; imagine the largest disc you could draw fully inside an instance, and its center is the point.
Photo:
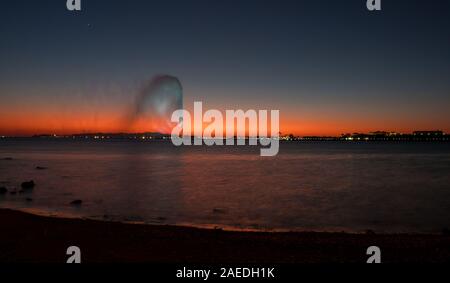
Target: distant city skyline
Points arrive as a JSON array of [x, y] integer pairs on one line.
[[330, 67], [149, 135]]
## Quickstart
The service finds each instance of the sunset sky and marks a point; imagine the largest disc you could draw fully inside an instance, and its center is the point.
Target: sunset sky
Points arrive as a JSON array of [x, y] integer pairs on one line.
[[329, 66]]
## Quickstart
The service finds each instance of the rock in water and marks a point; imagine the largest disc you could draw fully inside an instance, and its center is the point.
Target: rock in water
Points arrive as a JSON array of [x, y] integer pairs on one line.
[[3, 190], [218, 210], [28, 185], [76, 202]]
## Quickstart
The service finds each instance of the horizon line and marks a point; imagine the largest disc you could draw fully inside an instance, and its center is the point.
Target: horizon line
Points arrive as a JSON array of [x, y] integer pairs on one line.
[[103, 134]]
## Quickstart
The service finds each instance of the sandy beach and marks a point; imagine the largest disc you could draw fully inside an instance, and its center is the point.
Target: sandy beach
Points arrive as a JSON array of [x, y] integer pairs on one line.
[[30, 238]]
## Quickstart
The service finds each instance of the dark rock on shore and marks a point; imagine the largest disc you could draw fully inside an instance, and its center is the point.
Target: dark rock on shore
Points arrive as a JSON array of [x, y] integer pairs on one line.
[[28, 185], [76, 202], [29, 199], [8, 158], [41, 168], [3, 190]]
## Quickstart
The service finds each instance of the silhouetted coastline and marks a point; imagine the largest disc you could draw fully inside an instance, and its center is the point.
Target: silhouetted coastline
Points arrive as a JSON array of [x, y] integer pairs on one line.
[[427, 135]]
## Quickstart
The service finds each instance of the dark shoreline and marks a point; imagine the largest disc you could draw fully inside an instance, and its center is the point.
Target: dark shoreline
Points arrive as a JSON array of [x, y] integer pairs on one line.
[[30, 238]]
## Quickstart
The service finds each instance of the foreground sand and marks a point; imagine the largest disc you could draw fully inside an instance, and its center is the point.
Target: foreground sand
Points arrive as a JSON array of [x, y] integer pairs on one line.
[[29, 238]]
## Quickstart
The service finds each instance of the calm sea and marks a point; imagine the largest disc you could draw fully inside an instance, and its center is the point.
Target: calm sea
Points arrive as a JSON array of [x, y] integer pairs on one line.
[[324, 186]]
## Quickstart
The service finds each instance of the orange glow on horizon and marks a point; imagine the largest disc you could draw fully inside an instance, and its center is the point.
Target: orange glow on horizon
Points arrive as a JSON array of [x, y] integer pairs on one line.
[[28, 120], [27, 124]]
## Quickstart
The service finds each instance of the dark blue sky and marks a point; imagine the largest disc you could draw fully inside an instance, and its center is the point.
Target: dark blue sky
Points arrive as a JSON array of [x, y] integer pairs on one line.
[[329, 66]]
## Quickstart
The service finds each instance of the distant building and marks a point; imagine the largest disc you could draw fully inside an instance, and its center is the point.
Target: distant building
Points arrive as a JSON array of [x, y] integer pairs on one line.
[[384, 133], [428, 133], [379, 133]]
